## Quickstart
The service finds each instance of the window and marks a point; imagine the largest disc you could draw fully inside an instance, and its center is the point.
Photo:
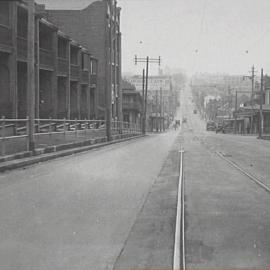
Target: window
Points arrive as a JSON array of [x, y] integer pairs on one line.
[[93, 66], [73, 55], [45, 37], [62, 47], [22, 23], [4, 13], [85, 63]]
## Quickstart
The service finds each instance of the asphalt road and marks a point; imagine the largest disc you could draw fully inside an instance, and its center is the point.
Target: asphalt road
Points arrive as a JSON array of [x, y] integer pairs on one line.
[[115, 207], [77, 212], [227, 214]]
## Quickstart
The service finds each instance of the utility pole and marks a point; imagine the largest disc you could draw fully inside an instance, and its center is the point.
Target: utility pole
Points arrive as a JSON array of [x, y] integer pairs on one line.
[[146, 60], [157, 111], [31, 74], [143, 97], [261, 102], [252, 97], [160, 109], [252, 78], [235, 116]]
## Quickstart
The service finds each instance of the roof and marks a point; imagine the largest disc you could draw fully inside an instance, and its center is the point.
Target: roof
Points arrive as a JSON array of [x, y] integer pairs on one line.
[[66, 4]]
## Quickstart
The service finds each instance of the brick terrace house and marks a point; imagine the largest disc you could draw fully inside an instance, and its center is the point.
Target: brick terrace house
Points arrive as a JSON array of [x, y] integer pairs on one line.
[[132, 103], [98, 27], [65, 72]]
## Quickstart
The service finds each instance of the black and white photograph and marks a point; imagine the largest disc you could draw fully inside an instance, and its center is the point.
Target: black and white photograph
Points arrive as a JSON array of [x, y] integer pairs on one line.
[[134, 135]]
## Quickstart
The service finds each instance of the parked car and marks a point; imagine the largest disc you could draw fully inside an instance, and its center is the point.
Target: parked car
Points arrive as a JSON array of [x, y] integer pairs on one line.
[[184, 120], [210, 126], [220, 128], [194, 111]]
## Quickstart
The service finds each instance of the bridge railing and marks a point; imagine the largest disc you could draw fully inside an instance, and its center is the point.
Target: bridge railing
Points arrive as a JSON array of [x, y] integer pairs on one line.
[[14, 133]]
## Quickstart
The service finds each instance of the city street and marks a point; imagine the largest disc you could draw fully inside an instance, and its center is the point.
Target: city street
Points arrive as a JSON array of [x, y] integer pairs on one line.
[[124, 148], [105, 209]]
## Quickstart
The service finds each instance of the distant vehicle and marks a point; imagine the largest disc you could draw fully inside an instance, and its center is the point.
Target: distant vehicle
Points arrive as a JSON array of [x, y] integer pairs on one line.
[[177, 122], [220, 128], [184, 120], [210, 126], [194, 111]]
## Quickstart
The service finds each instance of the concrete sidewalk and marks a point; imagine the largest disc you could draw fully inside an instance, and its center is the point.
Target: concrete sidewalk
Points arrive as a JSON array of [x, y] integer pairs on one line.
[[150, 244], [27, 158]]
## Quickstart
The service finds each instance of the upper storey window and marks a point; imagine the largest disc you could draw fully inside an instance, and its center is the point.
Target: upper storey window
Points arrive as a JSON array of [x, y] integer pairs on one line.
[[74, 52], [45, 37], [22, 23], [4, 13], [62, 47]]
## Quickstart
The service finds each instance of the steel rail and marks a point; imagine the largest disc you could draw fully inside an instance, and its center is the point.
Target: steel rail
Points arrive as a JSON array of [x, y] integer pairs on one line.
[[179, 240], [249, 175]]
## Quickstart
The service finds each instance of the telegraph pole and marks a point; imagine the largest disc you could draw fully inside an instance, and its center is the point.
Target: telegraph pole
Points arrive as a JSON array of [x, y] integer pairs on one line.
[[146, 60], [160, 109], [235, 116], [157, 111], [261, 102], [143, 94], [252, 96], [252, 78], [31, 74]]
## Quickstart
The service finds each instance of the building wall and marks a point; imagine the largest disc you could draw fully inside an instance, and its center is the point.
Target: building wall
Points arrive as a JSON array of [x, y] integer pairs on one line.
[[52, 71], [90, 27]]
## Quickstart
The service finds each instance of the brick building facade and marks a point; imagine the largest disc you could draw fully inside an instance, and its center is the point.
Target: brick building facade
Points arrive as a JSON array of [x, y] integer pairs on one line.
[[98, 27], [65, 72]]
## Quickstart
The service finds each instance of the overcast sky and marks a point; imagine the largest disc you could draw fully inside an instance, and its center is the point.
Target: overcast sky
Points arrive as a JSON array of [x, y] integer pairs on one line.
[[196, 35]]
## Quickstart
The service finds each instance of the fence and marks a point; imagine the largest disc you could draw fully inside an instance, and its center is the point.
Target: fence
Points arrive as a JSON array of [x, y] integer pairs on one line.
[[14, 133]]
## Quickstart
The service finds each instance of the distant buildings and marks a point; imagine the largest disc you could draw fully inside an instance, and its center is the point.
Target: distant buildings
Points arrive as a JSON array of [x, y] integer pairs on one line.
[[220, 82], [161, 100], [77, 61]]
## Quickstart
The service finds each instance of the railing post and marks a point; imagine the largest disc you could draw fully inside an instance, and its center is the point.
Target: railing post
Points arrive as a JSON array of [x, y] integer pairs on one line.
[[3, 148], [85, 129], [76, 135], [50, 131], [15, 128], [65, 129], [27, 132]]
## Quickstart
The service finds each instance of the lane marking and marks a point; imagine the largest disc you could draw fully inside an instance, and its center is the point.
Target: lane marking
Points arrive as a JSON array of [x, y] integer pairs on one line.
[[179, 241], [252, 177]]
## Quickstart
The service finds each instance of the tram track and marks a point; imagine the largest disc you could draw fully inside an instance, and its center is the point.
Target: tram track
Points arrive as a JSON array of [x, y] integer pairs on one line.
[[179, 261], [244, 172]]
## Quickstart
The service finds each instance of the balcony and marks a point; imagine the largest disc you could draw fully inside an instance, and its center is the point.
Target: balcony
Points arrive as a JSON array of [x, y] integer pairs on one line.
[[62, 66], [5, 36], [93, 79], [46, 59], [74, 72], [85, 76], [22, 48]]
